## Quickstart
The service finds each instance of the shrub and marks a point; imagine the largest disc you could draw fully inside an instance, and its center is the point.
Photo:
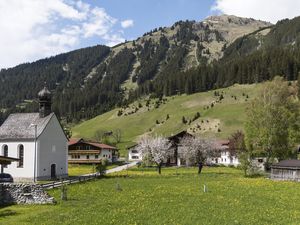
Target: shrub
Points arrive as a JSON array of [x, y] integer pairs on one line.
[[101, 167], [120, 113]]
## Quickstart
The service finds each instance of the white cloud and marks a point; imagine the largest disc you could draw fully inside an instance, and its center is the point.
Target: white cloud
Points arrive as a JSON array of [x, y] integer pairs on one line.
[[99, 23], [127, 23], [34, 29], [267, 10]]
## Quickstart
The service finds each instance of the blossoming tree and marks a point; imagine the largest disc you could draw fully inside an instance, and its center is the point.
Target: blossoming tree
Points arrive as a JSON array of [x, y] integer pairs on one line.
[[157, 149], [196, 150]]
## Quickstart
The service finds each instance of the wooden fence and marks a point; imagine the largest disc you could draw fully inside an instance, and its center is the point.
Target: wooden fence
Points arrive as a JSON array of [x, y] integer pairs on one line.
[[79, 179], [86, 177]]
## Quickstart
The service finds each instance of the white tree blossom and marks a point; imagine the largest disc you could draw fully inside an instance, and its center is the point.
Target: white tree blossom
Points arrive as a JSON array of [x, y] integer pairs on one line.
[[196, 150], [156, 148]]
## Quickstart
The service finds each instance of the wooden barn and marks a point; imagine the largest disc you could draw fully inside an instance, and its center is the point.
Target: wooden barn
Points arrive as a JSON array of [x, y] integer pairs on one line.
[[286, 170]]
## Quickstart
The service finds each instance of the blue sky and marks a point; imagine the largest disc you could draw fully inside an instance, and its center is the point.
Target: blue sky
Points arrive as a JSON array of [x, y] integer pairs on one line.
[[35, 29], [150, 14]]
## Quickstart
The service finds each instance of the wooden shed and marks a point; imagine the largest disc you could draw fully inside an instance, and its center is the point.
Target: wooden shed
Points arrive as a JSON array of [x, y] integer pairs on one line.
[[286, 170]]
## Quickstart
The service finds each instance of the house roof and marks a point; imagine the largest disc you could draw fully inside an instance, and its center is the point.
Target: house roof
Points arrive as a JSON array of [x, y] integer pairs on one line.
[[73, 141], [221, 144], [100, 145], [180, 135], [132, 146], [20, 126], [288, 163]]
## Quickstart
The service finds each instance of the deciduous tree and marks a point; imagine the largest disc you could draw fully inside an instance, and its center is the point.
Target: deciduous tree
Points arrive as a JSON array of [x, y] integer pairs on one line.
[[196, 150], [273, 125], [157, 149], [237, 148], [117, 135]]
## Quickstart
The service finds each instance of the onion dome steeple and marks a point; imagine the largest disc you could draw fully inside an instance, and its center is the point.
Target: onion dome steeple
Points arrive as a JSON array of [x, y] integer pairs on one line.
[[45, 102]]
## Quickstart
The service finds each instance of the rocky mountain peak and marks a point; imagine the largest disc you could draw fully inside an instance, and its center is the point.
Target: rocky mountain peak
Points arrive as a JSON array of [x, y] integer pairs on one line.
[[241, 21]]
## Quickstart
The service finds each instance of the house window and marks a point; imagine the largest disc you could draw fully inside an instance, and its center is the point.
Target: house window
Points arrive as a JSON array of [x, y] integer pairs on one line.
[[88, 157], [260, 160], [21, 156], [134, 157], [134, 151], [96, 156], [76, 156], [5, 152]]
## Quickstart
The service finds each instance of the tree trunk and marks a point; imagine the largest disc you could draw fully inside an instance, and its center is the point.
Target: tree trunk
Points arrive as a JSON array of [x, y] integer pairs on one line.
[[267, 163], [245, 172], [159, 169], [200, 166]]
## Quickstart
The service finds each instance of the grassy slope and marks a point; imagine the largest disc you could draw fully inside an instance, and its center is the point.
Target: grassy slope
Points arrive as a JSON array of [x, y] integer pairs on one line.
[[148, 198], [230, 114]]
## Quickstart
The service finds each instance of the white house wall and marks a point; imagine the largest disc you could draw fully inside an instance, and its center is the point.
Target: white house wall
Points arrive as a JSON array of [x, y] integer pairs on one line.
[[134, 156], [106, 154], [53, 149], [27, 171]]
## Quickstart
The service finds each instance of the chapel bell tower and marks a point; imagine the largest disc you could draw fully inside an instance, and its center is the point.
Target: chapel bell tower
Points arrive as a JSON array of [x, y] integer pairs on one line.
[[44, 102]]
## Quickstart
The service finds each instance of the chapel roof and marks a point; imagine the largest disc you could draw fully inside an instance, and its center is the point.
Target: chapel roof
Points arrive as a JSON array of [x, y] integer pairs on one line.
[[19, 126]]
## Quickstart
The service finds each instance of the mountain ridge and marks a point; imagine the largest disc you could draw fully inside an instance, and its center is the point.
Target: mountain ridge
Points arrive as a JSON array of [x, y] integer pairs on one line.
[[167, 60]]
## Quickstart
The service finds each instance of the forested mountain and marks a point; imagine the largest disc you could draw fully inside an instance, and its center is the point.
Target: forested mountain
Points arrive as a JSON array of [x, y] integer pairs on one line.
[[187, 57]]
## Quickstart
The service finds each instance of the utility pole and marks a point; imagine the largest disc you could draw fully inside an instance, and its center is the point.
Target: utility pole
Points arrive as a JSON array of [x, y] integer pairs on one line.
[[34, 166]]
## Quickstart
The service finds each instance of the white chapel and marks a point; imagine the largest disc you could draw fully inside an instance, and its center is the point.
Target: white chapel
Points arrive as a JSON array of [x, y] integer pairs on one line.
[[37, 140]]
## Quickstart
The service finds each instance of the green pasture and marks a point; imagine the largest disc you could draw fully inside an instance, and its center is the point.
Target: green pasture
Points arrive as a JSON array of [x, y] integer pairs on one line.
[[141, 196], [223, 118]]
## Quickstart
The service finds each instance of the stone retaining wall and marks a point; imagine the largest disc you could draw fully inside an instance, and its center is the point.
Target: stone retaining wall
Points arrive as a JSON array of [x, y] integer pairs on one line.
[[11, 193]]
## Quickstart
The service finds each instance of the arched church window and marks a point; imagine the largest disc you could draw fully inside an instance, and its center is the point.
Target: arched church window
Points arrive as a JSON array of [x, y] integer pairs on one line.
[[5, 152], [21, 156]]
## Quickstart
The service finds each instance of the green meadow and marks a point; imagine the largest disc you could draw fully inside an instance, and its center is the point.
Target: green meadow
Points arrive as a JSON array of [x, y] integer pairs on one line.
[[141, 196], [219, 121], [79, 169]]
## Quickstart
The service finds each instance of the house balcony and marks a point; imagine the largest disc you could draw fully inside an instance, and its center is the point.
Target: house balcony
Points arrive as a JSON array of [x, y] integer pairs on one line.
[[84, 152], [84, 161]]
